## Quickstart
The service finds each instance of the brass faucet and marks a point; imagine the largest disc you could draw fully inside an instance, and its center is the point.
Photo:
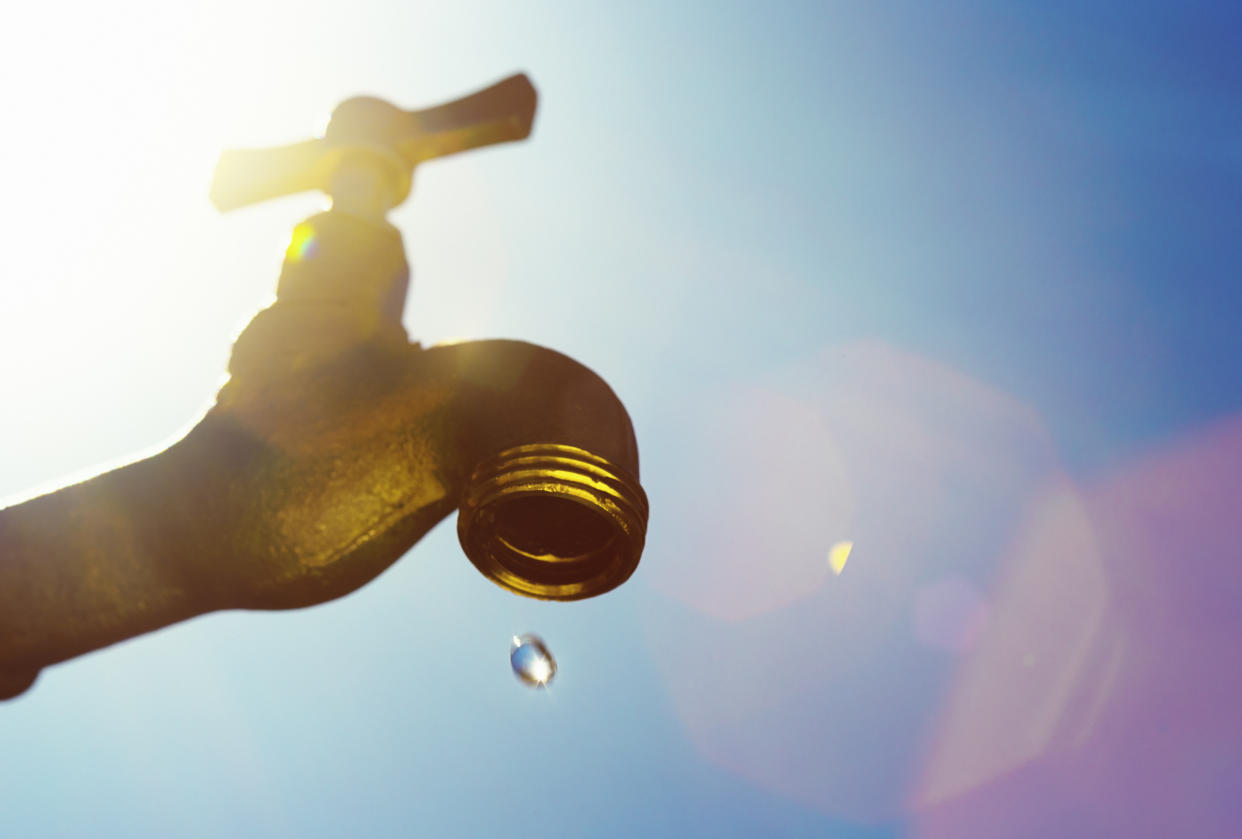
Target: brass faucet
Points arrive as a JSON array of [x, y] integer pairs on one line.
[[336, 444]]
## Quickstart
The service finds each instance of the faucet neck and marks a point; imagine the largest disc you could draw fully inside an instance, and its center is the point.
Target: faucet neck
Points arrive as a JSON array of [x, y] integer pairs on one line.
[[367, 182], [347, 259], [342, 288]]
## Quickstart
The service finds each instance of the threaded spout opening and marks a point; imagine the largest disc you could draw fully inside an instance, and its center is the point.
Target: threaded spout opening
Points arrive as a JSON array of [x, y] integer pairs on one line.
[[554, 522]]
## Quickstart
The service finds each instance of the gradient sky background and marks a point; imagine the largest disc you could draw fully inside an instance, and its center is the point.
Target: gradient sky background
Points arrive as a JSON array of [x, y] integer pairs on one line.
[[957, 282]]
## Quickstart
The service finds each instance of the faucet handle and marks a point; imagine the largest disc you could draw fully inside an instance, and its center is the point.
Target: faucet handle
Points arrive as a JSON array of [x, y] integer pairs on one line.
[[389, 140]]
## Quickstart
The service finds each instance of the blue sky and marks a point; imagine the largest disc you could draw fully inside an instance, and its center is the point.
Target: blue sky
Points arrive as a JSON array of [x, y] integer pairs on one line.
[[956, 283]]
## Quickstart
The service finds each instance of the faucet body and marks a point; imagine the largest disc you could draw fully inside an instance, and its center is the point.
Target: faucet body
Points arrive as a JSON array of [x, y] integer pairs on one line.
[[335, 445]]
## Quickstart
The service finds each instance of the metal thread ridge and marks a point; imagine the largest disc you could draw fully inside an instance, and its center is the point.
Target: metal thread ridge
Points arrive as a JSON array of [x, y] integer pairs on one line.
[[552, 521]]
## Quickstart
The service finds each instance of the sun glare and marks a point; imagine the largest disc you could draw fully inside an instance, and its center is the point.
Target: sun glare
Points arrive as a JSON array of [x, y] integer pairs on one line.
[[114, 285]]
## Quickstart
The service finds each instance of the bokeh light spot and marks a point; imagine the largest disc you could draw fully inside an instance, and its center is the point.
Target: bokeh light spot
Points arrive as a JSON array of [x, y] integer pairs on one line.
[[838, 555]]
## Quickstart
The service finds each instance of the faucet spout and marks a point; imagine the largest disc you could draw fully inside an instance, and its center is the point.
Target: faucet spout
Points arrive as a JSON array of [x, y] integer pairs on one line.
[[334, 447]]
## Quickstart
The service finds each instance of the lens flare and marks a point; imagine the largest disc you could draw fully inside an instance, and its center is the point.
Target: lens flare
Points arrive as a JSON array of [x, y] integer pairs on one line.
[[838, 555], [303, 244]]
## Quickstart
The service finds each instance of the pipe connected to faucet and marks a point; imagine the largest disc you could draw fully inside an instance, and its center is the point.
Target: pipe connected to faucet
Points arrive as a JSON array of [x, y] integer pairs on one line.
[[336, 444]]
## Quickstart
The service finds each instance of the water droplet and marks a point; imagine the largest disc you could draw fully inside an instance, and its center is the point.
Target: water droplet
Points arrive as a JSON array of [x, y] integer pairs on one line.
[[532, 663]]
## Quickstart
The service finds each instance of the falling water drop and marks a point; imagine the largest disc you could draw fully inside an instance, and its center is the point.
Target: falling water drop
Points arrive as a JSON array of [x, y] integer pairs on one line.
[[532, 663]]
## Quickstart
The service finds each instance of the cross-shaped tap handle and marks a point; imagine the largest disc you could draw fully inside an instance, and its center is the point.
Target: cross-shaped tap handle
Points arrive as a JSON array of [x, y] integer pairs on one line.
[[380, 138]]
